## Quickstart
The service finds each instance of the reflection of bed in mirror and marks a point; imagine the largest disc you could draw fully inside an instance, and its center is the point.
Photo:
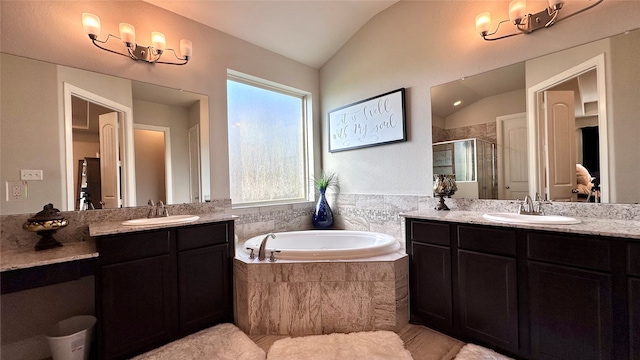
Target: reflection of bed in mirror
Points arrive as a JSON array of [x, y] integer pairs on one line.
[[501, 104], [56, 131]]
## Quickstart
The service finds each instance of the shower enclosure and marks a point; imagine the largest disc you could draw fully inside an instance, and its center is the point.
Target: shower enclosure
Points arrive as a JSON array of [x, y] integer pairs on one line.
[[473, 162]]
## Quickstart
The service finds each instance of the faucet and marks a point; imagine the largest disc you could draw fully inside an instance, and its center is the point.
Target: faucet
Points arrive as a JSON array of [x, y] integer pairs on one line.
[[263, 244], [527, 207], [156, 210], [152, 208], [161, 210]]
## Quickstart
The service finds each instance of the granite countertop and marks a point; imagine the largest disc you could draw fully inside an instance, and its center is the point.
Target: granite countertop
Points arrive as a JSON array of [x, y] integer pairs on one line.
[[589, 226], [15, 259], [116, 227]]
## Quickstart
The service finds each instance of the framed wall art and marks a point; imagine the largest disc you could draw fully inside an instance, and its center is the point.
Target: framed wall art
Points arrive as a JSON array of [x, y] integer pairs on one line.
[[375, 121]]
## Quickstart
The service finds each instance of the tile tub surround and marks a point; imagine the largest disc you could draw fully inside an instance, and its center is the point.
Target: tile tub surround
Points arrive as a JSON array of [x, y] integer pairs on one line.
[[321, 297]]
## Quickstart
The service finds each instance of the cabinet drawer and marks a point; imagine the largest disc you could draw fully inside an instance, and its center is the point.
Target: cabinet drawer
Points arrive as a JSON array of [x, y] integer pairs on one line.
[[120, 248], [633, 250], [193, 237], [429, 232], [570, 250], [489, 240]]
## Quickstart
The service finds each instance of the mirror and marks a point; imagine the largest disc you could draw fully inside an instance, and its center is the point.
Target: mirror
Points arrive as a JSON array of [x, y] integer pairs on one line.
[[155, 146], [505, 107]]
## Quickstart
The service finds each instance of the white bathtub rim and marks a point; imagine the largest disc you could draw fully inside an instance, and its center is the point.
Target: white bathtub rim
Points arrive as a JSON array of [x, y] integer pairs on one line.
[[390, 245]]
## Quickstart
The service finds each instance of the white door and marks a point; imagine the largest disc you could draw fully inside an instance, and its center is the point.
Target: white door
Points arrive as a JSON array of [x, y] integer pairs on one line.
[[109, 160], [513, 173], [560, 144], [194, 163]]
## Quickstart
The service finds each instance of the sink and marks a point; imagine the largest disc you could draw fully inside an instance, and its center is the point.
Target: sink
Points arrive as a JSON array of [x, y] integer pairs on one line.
[[513, 218], [173, 219]]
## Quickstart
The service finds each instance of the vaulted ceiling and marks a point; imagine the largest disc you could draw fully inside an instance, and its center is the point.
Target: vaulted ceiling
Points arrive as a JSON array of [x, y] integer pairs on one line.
[[308, 31]]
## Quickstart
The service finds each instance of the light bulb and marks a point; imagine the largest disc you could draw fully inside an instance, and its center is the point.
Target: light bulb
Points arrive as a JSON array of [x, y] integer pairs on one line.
[[158, 41], [91, 25], [186, 48], [128, 35], [483, 22], [517, 11]]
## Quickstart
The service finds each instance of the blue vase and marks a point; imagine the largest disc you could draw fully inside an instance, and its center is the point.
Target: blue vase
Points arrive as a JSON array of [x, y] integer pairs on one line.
[[322, 215]]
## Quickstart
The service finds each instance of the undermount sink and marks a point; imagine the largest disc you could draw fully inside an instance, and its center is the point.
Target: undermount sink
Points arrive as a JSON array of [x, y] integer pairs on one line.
[[513, 218], [161, 220]]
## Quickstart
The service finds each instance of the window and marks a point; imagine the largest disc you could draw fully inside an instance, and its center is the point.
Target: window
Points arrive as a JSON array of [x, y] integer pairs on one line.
[[268, 147]]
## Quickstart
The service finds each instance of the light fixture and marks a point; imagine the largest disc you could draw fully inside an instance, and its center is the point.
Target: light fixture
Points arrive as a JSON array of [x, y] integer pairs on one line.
[[150, 54], [526, 23], [457, 103]]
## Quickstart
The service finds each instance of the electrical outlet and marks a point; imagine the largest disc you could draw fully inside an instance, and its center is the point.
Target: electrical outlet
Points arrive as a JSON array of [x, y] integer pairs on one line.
[[16, 190], [30, 175]]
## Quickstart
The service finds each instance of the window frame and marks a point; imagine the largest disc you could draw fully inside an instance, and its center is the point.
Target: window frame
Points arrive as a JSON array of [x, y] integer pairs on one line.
[[307, 136]]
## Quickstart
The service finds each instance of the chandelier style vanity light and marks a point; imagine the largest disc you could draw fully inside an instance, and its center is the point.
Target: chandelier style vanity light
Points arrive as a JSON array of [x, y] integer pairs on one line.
[[524, 22], [150, 54]]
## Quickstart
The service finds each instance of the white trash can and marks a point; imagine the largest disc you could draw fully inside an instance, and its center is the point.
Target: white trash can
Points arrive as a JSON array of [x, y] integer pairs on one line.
[[70, 339]]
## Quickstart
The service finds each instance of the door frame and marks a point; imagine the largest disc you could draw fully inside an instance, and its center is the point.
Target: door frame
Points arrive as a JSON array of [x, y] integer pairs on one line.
[[536, 177], [128, 178]]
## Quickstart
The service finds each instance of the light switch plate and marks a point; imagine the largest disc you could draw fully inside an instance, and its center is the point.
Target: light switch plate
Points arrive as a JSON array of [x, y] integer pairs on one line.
[[30, 175]]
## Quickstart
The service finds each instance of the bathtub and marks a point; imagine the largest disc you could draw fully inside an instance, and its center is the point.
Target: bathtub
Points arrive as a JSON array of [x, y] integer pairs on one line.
[[325, 245]]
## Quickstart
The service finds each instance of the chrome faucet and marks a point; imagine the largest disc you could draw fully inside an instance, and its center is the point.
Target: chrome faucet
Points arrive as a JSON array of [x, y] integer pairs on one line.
[[161, 210], [152, 208], [263, 244], [527, 207], [156, 210]]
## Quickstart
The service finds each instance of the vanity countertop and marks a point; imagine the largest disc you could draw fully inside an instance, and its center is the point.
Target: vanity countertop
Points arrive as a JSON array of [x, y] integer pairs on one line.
[[16, 259], [589, 226], [116, 227]]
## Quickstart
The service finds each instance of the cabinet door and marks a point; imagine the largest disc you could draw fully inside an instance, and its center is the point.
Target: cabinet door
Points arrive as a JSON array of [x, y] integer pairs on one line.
[[135, 306], [634, 317], [488, 298], [570, 313], [431, 285], [205, 293]]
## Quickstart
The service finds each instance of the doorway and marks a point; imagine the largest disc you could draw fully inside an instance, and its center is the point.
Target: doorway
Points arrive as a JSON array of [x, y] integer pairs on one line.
[[120, 138], [537, 127]]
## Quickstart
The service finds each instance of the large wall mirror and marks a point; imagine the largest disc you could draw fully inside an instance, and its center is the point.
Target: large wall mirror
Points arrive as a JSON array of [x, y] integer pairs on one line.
[[101, 141], [563, 126]]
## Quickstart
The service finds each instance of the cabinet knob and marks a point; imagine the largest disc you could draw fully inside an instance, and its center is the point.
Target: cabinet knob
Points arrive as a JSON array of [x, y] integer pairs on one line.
[[508, 187]]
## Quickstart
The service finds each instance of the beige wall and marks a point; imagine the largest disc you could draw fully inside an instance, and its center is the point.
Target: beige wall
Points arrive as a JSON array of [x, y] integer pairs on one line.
[[52, 31], [39, 116], [420, 44], [150, 166], [176, 118]]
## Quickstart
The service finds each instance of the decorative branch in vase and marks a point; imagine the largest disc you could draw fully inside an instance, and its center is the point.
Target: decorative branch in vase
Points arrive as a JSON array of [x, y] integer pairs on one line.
[[322, 215]]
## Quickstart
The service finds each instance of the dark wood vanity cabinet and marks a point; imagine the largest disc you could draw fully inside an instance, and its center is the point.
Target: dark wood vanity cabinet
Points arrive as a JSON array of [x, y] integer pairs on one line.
[[528, 294], [155, 286], [204, 276], [487, 285], [430, 271], [633, 282], [570, 296]]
